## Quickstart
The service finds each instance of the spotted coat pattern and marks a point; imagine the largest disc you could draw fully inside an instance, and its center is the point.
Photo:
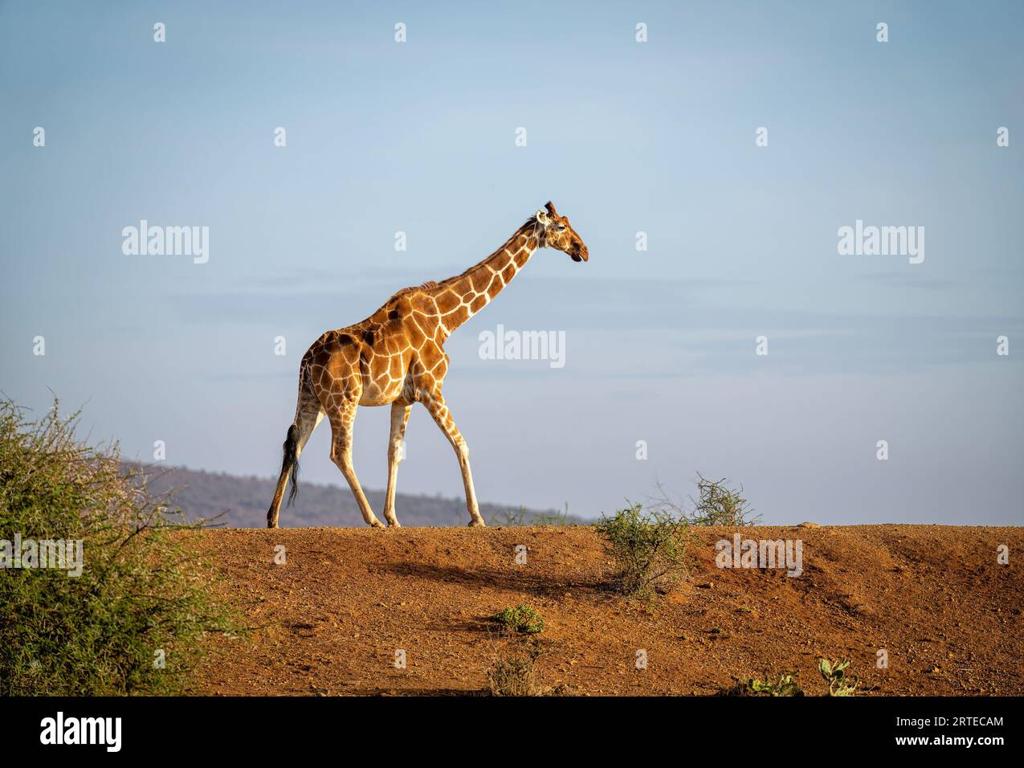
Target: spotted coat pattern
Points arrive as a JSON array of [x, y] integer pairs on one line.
[[396, 357]]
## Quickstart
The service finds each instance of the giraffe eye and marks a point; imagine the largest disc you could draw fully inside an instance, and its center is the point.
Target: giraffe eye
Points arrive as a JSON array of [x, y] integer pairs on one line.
[[560, 228]]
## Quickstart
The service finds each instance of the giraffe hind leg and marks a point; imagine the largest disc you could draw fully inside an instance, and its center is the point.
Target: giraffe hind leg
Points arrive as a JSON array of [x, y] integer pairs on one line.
[[342, 422]]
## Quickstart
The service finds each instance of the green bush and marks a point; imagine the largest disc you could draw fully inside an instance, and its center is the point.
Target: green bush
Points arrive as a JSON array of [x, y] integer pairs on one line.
[[515, 675], [648, 547], [132, 621], [510, 518], [521, 517], [784, 685], [718, 504], [522, 619], [555, 519]]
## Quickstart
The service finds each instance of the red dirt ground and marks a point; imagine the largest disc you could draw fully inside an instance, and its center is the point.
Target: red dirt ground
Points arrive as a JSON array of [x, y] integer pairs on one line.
[[328, 622]]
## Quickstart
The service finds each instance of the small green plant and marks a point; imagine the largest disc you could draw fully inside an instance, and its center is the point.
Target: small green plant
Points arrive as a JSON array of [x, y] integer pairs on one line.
[[834, 673], [514, 675], [510, 518], [784, 685], [718, 504], [522, 619], [648, 547], [553, 518]]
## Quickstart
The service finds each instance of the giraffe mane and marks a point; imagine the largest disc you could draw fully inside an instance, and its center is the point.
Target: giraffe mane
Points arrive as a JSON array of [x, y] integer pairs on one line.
[[532, 221], [433, 284], [421, 287]]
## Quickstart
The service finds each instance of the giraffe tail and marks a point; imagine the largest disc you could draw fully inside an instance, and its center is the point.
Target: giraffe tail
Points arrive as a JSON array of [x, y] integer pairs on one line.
[[291, 461]]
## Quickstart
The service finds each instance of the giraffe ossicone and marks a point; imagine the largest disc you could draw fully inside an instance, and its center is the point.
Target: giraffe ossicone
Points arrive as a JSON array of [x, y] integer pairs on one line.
[[396, 357]]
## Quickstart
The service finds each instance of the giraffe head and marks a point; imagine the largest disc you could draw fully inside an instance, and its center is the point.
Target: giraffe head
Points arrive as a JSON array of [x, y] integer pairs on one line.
[[557, 233]]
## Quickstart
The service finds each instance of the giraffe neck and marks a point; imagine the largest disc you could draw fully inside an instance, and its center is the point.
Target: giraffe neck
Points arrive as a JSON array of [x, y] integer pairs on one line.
[[460, 297]]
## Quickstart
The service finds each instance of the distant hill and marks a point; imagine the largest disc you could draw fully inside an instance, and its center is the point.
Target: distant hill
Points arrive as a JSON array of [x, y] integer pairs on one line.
[[241, 502]]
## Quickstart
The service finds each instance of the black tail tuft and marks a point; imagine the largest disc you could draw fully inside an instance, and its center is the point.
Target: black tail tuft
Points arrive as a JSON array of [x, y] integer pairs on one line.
[[291, 460]]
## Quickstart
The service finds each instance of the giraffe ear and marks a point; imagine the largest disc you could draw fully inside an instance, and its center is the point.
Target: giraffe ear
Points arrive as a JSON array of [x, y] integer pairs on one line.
[[542, 217]]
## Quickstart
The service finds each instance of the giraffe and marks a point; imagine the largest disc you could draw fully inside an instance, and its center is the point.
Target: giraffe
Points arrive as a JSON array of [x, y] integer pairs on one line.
[[396, 357]]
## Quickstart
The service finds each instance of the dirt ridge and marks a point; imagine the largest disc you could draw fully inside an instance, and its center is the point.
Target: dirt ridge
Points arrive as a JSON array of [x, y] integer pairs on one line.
[[330, 619]]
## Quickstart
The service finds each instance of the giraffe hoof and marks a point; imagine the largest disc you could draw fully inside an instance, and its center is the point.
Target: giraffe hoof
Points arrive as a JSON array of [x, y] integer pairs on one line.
[[394, 524], [477, 522], [376, 524]]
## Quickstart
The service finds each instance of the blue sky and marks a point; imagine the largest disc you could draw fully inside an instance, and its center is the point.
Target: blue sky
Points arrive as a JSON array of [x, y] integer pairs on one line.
[[624, 137]]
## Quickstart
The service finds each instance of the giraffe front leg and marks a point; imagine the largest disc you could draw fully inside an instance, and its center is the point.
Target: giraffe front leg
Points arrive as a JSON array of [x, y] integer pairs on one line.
[[443, 417], [399, 418], [341, 455]]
